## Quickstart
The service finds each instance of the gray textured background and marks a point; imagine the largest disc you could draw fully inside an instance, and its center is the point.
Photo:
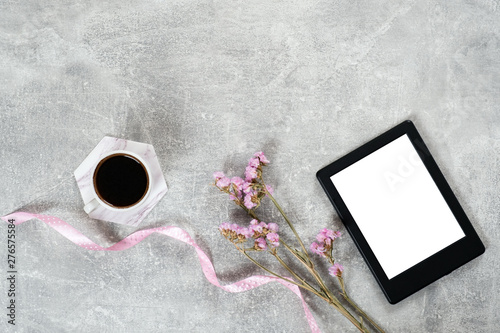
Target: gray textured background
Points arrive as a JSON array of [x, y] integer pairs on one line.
[[208, 83]]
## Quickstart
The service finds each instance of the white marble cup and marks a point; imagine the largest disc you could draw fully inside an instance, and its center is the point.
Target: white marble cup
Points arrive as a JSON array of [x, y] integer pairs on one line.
[[99, 199], [131, 215]]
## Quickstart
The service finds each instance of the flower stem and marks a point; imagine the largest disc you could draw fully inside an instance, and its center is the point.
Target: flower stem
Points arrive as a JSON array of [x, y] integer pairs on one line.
[[304, 258], [332, 300], [359, 324], [279, 276], [286, 219], [292, 272], [310, 268], [358, 309]]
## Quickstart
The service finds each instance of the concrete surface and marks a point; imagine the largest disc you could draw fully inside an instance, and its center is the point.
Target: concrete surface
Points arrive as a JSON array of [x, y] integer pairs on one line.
[[208, 83]]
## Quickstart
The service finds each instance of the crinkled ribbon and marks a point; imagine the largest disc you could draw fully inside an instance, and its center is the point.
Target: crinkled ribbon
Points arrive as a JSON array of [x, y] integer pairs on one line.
[[177, 233]]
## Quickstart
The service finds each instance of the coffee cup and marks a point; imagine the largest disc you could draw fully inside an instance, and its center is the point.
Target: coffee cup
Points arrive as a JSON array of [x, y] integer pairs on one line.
[[121, 181]]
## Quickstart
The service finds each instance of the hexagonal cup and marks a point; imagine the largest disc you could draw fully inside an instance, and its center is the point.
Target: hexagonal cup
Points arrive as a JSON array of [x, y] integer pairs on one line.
[[100, 210]]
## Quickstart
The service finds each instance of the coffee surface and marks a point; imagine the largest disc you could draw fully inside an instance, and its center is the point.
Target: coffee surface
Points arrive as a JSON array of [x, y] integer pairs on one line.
[[121, 181]]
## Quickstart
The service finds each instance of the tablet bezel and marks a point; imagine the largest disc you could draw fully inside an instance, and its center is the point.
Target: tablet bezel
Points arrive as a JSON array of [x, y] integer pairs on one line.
[[435, 266]]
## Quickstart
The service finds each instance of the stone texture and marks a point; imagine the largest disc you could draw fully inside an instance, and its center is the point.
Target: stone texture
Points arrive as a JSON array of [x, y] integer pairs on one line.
[[208, 83]]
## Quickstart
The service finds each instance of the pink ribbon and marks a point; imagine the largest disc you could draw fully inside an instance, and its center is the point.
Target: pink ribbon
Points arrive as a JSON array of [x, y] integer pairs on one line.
[[81, 240]]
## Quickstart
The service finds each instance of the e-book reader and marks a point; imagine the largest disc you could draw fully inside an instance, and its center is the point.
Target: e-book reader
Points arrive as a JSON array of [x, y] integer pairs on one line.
[[400, 211]]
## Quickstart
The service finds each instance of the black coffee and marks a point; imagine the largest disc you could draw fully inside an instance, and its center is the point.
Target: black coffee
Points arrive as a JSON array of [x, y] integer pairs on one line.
[[121, 180]]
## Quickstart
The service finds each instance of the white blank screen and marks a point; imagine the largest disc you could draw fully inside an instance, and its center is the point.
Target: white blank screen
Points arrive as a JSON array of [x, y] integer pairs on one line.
[[397, 206]]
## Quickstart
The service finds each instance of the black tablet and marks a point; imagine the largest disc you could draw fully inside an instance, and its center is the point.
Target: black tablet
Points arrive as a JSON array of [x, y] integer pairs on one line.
[[400, 212]]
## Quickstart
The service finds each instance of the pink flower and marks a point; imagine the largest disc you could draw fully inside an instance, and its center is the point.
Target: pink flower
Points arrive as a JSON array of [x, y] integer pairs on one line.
[[321, 237], [336, 270], [248, 202], [327, 236], [254, 162], [260, 155], [318, 249], [328, 233], [246, 232], [223, 182], [255, 228], [250, 173], [274, 239], [260, 244], [235, 190], [234, 232], [224, 226], [218, 175], [254, 222], [246, 187], [238, 183], [263, 224], [273, 227]]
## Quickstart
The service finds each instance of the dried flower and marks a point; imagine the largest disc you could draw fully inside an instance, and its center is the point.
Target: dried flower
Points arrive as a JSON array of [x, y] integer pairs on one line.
[[250, 173], [234, 233], [247, 193], [327, 236], [260, 244], [254, 162], [274, 239], [224, 226], [238, 183], [223, 182], [235, 191], [272, 227], [336, 270], [325, 239], [256, 229], [249, 201], [318, 249], [262, 158], [246, 187], [218, 175]]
